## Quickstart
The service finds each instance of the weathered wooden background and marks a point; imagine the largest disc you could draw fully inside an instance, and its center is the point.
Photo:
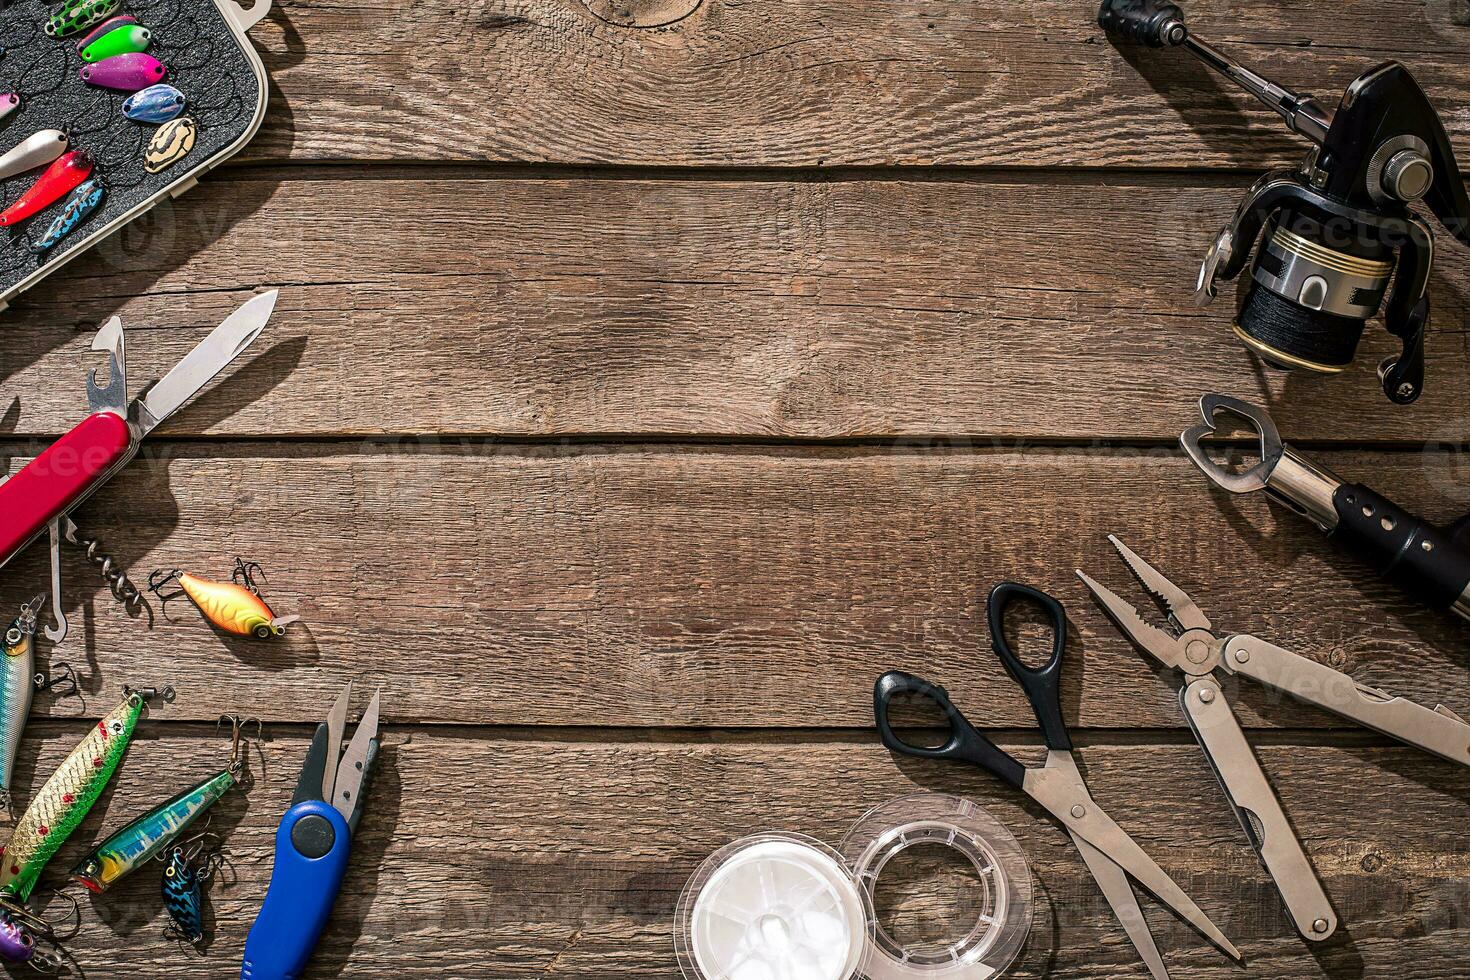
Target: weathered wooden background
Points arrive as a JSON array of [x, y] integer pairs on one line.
[[649, 375]]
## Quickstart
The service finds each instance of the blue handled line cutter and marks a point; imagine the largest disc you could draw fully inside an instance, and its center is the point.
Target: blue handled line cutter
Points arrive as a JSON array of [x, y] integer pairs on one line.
[[312, 845]]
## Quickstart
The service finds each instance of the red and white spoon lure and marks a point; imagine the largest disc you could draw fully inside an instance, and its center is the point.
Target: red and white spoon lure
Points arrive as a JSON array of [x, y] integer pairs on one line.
[[41, 496]]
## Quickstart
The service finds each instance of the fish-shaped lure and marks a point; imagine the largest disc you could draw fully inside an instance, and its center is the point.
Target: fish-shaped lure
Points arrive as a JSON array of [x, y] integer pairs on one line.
[[124, 39], [9, 102], [63, 802], [36, 150], [59, 180], [17, 685], [146, 837], [83, 201], [155, 104], [183, 896], [125, 72], [234, 606], [170, 144], [78, 16], [17, 945]]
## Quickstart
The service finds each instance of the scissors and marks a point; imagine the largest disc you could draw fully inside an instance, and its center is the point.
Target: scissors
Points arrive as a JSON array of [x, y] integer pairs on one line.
[[313, 843], [1111, 855]]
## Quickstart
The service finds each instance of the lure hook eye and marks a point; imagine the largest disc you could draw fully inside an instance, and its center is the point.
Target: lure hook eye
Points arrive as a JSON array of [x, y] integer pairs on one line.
[[13, 636]]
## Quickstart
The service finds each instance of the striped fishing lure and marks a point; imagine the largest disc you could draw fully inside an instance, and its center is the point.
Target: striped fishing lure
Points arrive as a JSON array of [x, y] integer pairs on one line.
[[17, 685], [146, 837], [183, 896], [82, 202], [234, 606], [63, 802]]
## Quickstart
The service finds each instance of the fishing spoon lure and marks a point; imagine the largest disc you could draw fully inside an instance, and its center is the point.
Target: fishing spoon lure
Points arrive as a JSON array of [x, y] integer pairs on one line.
[[155, 104], [82, 202], [125, 72], [234, 606], [183, 891], [59, 180], [9, 102], [78, 16], [34, 151], [68, 795], [146, 837], [121, 39]]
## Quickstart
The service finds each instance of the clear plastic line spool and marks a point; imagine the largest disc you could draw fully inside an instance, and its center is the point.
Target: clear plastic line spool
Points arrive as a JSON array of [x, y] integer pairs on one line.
[[1004, 923], [786, 907]]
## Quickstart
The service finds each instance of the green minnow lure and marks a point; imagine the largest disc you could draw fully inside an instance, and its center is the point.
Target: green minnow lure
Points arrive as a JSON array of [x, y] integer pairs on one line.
[[63, 802], [147, 836], [17, 684]]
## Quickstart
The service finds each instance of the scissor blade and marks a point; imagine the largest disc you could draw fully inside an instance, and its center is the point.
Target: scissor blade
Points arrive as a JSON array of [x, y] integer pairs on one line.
[[1113, 881], [1101, 832], [1152, 640], [1182, 610], [336, 724], [356, 761], [212, 355]]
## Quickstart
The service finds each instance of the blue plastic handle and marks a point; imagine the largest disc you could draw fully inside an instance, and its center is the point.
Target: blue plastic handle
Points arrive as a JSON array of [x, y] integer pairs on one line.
[[302, 891]]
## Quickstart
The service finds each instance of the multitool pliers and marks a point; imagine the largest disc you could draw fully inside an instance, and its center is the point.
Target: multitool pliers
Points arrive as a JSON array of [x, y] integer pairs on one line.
[[1196, 650]]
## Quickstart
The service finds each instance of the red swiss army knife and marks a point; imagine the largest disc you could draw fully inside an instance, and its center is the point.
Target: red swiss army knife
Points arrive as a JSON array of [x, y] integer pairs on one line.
[[42, 495]]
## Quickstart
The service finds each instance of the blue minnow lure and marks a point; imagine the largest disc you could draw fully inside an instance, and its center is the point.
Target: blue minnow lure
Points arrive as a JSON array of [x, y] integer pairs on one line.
[[82, 202], [155, 104]]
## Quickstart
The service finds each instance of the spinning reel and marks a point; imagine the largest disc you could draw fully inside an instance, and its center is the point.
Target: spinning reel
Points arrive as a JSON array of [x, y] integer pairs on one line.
[[1337, 228]]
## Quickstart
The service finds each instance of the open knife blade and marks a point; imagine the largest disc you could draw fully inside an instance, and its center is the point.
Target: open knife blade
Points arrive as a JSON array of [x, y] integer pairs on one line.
[[211, 356]]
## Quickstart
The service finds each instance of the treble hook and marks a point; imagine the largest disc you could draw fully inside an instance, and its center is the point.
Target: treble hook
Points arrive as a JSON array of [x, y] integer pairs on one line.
[[237, 738], [66, 678], [245, 573], [160, 578]]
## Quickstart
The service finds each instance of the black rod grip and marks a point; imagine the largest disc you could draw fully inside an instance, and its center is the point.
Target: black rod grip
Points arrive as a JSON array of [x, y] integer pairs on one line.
[[1431, 564], [1142, 22]]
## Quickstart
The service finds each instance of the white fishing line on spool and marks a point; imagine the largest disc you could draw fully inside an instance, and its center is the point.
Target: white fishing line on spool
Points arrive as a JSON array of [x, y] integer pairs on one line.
[[773, 907], [779, 906]]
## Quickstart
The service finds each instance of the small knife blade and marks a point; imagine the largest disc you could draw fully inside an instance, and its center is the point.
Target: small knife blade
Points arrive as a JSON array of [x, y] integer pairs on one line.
[[212, 355]]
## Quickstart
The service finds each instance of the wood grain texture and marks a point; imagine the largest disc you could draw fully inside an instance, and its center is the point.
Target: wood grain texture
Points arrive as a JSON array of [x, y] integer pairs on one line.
[[726, 588], [913, 310], [810, 83], [490, 857]]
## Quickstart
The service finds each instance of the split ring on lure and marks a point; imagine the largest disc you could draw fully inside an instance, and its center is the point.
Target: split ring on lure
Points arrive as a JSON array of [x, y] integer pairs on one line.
[[155, 104], [60, 179], [63, 803], [83, 202], [36, 150], [74, 16], [125, 72], [124, 39], [146, 837], [183, 892], [235, 606]]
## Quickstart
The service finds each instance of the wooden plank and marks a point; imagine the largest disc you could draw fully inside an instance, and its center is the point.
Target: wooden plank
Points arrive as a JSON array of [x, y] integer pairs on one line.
[[867, 309], [719, 587], [482, 856], [810, 83]]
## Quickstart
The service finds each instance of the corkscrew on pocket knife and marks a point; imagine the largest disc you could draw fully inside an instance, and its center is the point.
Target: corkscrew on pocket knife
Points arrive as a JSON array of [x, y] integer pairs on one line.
[[41, 496]]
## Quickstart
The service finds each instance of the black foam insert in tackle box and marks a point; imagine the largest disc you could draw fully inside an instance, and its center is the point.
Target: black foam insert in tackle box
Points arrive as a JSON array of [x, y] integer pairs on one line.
[[204, 47]]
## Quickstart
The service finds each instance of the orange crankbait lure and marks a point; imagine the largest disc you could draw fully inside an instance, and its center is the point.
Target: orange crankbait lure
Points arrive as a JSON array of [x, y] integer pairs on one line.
[[234, 606]]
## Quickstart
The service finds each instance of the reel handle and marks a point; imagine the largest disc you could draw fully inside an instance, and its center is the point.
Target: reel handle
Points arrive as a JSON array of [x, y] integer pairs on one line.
[[1156, 23]]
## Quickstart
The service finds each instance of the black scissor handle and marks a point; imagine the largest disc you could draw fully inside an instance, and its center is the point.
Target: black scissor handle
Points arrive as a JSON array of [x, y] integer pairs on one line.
[[965, 743], [1043, 686]]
